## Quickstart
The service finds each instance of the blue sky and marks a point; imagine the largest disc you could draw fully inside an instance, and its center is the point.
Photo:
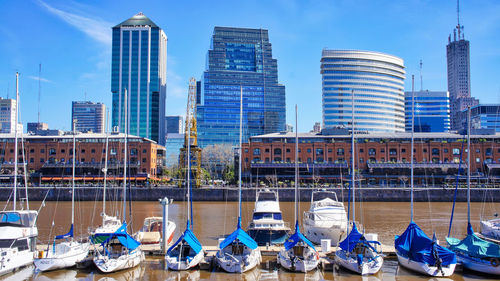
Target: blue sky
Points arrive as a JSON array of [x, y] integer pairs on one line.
[[72, 40]]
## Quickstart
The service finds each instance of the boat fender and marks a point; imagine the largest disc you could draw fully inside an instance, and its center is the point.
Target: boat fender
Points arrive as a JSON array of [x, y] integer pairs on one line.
[[495, 262]]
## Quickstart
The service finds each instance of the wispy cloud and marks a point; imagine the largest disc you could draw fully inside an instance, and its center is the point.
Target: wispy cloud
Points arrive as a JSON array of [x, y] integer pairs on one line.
[[39, 78], [96, 29]]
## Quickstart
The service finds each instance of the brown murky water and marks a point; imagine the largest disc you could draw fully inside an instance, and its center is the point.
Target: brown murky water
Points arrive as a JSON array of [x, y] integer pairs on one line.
[[213, 219]]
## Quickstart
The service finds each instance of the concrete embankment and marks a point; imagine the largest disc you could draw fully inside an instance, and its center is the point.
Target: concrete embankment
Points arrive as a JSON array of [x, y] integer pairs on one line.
[[231, 194]]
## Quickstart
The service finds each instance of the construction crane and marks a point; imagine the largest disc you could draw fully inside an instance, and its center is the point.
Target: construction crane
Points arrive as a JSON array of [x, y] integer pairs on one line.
[[191, 139]]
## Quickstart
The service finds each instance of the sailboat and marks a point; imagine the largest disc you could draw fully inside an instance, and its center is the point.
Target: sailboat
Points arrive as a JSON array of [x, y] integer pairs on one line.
[[109, 223], [473, 252], [18, 230], [356, 253], [326, 218], [238, 252], [119, 250], [414, 249], [69, 252], [187, 251], [298, 253]]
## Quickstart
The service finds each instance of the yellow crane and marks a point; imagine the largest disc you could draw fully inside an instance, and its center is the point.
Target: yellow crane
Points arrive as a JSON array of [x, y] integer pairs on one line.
[[191, 139]]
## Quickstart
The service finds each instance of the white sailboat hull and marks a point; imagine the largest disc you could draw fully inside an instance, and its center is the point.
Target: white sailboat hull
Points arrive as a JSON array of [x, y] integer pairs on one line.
[[111, 264], [425, 268], [239, 263], [297, 264], [478, 265], [369, 265], [173, 263], [491, 228], [66, 254]]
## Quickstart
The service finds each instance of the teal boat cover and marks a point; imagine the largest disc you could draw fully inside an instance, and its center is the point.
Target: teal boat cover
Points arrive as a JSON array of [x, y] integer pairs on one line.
[[241, 235], [121, 234], [296, 238], [190, 238], [474, 246], [417, 246], [354, 238]]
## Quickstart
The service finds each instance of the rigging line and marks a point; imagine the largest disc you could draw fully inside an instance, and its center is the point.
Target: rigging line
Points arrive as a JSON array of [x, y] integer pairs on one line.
[[456, 189]]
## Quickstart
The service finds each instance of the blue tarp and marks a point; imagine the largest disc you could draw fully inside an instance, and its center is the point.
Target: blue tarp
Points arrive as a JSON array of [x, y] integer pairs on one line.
[[296, 238], [190, 238], [474, 246], [67, 235], [354, 238], [241, 235], [417, 246], [10, 217], [122, 236]]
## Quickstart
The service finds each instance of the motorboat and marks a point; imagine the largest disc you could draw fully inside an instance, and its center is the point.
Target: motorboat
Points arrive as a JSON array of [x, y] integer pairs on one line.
[[491, 228], [152, 231]]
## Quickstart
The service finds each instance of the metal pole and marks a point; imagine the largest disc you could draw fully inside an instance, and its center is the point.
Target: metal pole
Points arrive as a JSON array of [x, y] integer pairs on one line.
[[15, 141], [296, 164], [125, 160], [164, 203], [105, 169], [412, 129], [353, 162], [468, 164], [241, 152]]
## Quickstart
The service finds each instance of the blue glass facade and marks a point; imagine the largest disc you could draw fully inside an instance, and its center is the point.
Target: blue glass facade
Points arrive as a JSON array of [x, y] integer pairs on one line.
[[139, 66], [483, 116], [239, 57], [432, 111]]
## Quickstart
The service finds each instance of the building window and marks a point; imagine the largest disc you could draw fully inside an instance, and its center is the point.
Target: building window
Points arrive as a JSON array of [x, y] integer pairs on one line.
[[329, 150], [456, 151], [82, 160], [393, 151], [62, 160], [256, 151], [403, 150], [246, 150], [435, 151], [361, 160], [92, 151], [330, 159], [267, 150], [445, 150], [83, 150], [425, 150], [382, 150], [308, 150], [52, 151], [31, 151], [133, 151], [277, 159], [372, 151], [143, 160], [319, 151], [63, 150], [288, 159], [478, 160], [478, 150], [340, 151], [41, 150], [267, 160], [309, 160], [143, 151], [113, 151], [288, 150], [319, 159], [256, 159], [277, 151], [32, 160], [246, 160], [488, 151]]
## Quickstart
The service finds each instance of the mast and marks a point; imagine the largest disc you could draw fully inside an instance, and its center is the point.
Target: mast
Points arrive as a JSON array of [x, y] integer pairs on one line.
[[125, 160], [239, 160], [73, 177], [353, 162], [189, 168], [412, 129], [468, 165], [105, 168], [296, 166], [15, 140]]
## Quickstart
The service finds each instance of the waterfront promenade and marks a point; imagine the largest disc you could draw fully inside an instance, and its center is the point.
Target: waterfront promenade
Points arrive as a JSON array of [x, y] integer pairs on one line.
[[383, 194]]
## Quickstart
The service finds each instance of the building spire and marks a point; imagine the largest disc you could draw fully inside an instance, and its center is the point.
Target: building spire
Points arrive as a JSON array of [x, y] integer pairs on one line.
[[459, 27]]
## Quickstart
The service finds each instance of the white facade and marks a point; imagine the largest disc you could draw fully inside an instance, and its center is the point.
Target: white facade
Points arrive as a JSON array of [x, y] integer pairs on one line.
[[377, 82], [8, 116]]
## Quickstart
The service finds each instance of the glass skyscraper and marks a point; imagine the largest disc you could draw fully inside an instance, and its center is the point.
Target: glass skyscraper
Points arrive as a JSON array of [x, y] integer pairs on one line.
[[239, 57], [432, 111], [375, 79], [139, 66]]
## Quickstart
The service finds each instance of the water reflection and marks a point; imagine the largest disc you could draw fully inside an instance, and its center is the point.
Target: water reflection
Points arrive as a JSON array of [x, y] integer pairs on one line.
[[23, 274]]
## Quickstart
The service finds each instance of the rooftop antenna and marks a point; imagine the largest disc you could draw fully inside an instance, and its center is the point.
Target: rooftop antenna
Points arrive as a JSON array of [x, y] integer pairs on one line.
[[421, 80], [39, 89], [85, 94], [458, 18]]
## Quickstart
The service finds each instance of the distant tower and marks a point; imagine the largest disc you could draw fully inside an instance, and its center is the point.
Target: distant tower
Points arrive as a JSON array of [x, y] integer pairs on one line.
[[458, 62]]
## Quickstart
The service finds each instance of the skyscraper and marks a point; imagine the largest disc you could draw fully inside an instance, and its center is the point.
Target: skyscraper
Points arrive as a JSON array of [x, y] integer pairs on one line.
[[139, 67], [89, 116], [173, 124], [375, 79], [458, 63], [7, 116], [239, 58], [432, 111]]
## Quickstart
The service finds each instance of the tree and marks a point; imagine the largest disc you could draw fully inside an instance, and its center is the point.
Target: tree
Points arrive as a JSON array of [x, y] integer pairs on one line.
[[216, 159]]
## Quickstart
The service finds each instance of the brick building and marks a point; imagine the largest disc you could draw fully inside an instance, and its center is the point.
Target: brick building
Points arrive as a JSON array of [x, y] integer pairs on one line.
[[49, 158], [382, 158]]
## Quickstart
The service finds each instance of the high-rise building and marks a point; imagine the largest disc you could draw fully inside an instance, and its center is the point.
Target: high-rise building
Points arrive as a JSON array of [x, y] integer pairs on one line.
[[377, 82], [173, 124], [483, 116], [316, 127], [459, 87], [432, 111], [7, 116], [139, 67], [89, 116], [173, 146], [35, 127], [240, 59]]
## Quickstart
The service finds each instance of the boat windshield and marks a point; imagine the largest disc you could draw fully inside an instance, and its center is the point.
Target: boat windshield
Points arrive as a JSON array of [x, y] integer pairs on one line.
[[267, 196], [19, 218], [270, 216], [320, 195]]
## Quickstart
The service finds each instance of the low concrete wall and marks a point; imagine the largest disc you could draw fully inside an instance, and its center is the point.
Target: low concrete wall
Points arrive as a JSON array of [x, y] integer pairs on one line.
[[231, 194]]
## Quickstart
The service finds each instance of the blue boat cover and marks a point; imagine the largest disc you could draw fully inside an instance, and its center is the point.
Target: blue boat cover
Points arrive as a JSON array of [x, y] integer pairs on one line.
[[417, 246], [296, 238], [10, 217], [474, 246], [122, 236], [241, 235], [67, 235], [190, 238], [354, 238]]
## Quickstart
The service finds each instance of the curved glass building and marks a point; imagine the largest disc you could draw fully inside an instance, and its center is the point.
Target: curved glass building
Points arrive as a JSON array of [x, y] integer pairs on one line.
[[377, 82]]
